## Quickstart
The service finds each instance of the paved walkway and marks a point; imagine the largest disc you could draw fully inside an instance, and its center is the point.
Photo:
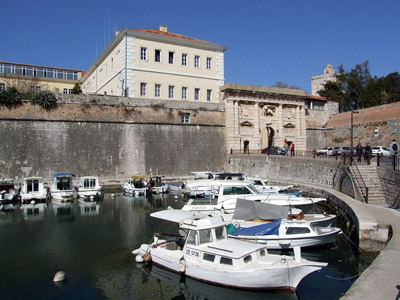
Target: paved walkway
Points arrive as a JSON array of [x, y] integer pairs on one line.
[[381, 280]]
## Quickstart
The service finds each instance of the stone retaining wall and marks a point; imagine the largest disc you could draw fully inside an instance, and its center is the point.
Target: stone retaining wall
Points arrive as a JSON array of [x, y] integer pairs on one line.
[[390, 185]]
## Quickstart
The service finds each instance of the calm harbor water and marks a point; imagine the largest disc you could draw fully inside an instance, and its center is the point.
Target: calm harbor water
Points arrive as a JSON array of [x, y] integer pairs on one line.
[[93, 245]]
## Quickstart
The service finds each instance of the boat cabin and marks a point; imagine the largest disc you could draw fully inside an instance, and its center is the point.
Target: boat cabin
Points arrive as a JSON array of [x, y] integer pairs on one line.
[[64, 181]]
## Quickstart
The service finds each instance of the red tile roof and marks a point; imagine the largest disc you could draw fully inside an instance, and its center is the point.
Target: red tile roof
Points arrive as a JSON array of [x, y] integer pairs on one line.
[[316, 97], [170, 34]]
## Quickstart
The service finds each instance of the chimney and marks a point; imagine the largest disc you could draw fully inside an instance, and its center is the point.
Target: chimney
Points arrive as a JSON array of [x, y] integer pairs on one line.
[[163, 28]]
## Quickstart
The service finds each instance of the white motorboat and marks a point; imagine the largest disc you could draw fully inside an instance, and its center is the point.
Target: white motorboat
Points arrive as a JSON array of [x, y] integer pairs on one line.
[[206, 254], [284, 234], [34, 190], [224, 194], [63, 188], [252, 222], [90, 189], [137, 185], [9, 194], [264, 188]]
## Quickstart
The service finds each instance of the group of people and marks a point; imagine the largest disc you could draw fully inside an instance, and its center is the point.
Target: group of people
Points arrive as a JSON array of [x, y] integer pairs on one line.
[[393, 148], [288, 146]]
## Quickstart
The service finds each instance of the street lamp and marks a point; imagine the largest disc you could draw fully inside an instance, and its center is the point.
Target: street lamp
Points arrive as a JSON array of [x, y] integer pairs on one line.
[[351, 134]]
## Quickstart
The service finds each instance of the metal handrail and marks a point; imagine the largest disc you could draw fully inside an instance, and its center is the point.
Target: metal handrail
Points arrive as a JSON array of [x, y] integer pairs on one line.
[[336, 172], [363, 185]]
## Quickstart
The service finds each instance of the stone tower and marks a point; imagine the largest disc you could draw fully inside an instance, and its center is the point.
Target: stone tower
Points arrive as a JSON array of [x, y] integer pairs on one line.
[[318, 81]]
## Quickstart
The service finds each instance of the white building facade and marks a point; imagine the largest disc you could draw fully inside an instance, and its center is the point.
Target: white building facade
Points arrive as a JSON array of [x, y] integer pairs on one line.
[[157, 64], [258, 117]]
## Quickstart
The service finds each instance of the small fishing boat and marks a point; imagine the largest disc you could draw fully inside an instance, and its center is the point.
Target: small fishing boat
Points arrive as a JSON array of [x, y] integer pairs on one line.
[[157, 186], [137, 185], [206, 254], [90, 189], [34, 190], [9, 194], [63, 188]]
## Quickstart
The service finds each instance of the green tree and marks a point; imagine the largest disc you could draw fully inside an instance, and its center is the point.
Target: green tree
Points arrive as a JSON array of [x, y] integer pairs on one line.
[[358, 89], [76, 89]]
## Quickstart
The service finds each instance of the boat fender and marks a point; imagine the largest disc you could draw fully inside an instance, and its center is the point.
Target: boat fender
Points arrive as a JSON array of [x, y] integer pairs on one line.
[[236, 224], [139, 259], [182, 265], [60, 276], [147, 257]]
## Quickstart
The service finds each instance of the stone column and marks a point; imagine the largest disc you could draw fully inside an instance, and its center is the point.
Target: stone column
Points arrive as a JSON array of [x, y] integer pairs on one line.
[[236, 117], [280, 124]]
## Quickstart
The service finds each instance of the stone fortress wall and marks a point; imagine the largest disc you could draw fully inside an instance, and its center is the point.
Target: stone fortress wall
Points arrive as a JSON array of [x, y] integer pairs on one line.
[[111, 137]]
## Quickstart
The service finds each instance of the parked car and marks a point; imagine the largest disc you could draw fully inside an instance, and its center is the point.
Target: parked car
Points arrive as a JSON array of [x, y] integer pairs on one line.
[[381, 151], [342, 150], [325, 151], [273, 150]]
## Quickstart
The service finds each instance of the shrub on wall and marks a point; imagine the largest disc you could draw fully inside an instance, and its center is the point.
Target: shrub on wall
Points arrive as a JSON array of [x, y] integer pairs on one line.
[[45, 99], [10, 98]]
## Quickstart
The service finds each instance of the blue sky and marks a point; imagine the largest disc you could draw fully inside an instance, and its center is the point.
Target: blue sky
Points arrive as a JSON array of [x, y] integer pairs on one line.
[[267, 40]]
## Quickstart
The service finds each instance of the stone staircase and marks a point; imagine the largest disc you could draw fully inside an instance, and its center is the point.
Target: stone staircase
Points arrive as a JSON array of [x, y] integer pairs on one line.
[[370, 177]]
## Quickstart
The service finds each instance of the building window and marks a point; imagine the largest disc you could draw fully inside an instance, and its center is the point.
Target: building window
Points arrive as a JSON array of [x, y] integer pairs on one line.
[[209, 65], [143, 53], [2, 86], [171, 91], [184, 93], [184, 59], [157, 90], [209, 95], [143, 87], [308, 104], [197, 61], [318, 105], [196, 94], [185, 118], [171, 58], [157, 56], [36, 88], [67, 91]]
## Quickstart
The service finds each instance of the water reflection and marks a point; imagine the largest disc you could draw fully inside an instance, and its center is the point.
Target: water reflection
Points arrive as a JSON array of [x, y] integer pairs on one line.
[[64, 211], [187, 288]]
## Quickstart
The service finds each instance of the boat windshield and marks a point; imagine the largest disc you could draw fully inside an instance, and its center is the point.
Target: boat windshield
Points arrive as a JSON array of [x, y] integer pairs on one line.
[[220, 232], [240, 190], [257, 182], [205, 236], [253, 189]]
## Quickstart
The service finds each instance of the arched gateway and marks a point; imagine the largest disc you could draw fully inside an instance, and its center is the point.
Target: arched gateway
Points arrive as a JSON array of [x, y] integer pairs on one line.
[[263, 116]]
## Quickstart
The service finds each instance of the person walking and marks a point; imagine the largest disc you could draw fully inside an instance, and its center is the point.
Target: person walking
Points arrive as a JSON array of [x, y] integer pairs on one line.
[[286, 148], [359, 152], [368, 152], [394, 149], [292, 150]]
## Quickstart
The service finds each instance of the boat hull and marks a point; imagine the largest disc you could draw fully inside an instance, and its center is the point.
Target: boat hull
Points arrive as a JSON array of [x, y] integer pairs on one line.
[[275, 275]]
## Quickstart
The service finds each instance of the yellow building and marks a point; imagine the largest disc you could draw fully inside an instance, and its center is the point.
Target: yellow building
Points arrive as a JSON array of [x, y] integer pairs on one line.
[[28, 78], [157, 64]]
